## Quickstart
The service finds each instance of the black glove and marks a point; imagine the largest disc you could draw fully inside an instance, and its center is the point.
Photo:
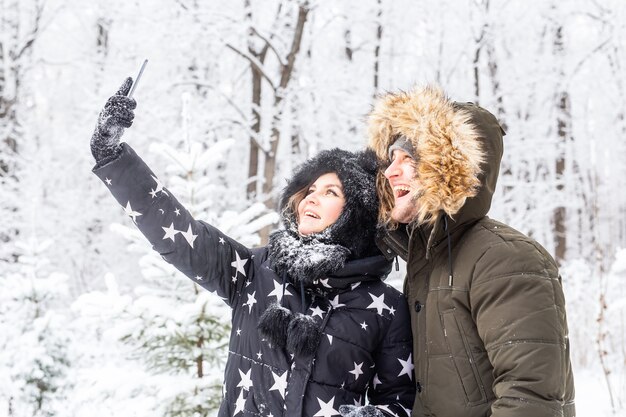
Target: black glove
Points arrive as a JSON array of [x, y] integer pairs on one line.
[[116, 116], [356, 411]]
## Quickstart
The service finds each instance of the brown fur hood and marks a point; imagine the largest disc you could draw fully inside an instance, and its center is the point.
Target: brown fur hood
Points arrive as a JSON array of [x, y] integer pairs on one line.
[[458, 148]]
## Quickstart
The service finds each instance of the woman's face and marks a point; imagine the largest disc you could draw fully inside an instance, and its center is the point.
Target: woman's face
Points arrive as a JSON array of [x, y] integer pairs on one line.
[[322, 204]]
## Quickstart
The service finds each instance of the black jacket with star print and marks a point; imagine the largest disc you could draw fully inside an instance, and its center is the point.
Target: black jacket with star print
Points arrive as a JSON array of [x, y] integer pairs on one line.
[[365, 350]]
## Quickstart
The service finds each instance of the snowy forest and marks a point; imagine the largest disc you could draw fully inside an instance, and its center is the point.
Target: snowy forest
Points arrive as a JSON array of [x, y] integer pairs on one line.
[[237, 93]]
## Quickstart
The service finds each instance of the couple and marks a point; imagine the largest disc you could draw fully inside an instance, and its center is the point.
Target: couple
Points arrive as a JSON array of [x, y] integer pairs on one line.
[[316, 332]]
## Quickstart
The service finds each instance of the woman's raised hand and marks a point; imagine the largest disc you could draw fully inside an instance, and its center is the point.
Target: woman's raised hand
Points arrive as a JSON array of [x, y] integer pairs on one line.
[[116, 116]]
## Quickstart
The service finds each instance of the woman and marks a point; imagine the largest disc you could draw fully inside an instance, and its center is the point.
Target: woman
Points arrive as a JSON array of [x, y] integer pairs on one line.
[[315, 330]]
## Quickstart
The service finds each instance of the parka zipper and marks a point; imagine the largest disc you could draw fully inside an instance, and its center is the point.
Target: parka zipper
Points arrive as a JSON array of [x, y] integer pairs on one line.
[[418, 292]]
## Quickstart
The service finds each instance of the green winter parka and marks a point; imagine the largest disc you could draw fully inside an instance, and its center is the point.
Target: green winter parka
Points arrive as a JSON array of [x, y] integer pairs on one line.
[[487, 307]]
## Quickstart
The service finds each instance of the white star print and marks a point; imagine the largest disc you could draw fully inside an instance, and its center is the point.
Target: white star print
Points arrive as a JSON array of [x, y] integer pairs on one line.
[[177, 211], [317, 312], [222, 241], [162, 211], [356, 284], [170, 233], [386, 408], [198, 278], [357, 371], [239, 263], [246, 381], [378, 303], [278, 291], [153, 193], [392, 311], [239, 404], [376, 381], [238, 332], [108, 181], [335, 302], [159, 186], [364, 325], [251, 301], [324, 283], [189, 236], [130, 212], [407, 367], [280, 383], [330, 338], [326, 409], [259, 355]]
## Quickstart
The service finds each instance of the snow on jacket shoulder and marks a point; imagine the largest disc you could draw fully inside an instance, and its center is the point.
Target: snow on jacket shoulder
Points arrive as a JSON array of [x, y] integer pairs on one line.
[[363, 356]]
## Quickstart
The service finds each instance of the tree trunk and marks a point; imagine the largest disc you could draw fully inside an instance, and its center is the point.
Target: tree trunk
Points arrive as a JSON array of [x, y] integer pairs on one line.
[[102, 38], [379, 37], [563, 123], [492, 64], [253, 161], [270, 156], [10, 75], [347, 37], [257, 80], [199, 359], [618, 234], [476, 63]]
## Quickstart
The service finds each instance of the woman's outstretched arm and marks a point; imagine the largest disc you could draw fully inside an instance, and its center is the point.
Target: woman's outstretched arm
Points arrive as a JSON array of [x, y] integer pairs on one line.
[[197, 249]]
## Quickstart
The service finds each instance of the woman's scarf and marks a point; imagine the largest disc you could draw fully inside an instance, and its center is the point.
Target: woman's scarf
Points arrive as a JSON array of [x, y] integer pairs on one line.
[[304, 261]]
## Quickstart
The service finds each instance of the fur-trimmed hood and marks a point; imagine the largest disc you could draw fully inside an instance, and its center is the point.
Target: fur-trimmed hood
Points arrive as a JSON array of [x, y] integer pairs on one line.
[[458, 148]]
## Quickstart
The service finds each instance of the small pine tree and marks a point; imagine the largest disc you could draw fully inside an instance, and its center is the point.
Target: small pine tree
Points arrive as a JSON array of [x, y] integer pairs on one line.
[[34, 357]]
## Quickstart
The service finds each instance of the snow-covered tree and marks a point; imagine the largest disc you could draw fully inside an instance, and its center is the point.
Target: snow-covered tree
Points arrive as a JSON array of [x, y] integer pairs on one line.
[[35, 354], [20, 25]]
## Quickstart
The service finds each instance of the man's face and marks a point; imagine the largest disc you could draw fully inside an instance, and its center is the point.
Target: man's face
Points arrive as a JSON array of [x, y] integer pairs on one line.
[[401, 177]]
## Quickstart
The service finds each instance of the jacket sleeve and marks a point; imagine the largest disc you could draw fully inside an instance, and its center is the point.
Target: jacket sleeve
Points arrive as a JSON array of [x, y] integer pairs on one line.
[[519, 310], [392, 390], [197, 249]]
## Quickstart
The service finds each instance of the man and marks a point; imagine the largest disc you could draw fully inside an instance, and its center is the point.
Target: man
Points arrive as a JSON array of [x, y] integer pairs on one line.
[[487, 307]]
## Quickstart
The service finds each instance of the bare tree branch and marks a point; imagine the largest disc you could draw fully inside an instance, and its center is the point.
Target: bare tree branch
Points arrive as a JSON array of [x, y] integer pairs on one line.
[[594, 51], [32, 35], [295, 46], [270, 45], [255, 63]]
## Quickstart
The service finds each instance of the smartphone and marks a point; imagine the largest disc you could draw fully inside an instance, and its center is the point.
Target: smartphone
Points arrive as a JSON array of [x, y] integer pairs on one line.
[[132, 89]]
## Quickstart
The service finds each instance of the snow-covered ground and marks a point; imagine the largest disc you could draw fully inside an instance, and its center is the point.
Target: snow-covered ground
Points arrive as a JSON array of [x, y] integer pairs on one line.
[[592, 396]]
